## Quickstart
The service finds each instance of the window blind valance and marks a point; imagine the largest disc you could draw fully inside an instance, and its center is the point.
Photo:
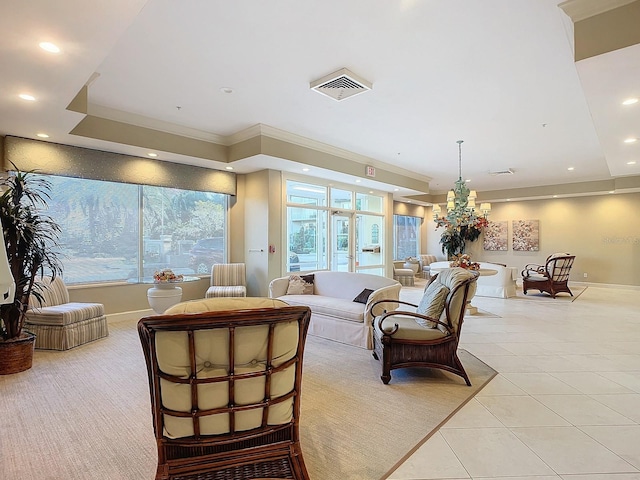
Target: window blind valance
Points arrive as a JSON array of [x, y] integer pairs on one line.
[[79, 162]]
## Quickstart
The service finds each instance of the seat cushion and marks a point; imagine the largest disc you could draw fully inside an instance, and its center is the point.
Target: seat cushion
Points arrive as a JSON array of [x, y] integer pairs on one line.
[[408, 329], [64, 314], [329, 306], [235, 291]]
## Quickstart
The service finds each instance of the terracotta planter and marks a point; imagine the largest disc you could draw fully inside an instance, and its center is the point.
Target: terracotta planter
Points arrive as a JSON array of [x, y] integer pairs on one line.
[[17, 355]]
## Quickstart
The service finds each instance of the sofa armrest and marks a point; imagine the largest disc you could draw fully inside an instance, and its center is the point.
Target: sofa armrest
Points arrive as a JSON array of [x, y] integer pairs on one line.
[[278, 287], [390, 292]]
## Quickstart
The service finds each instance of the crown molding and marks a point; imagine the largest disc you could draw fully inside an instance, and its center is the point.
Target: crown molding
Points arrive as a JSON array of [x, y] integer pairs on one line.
[[294, 139], [121, 116]]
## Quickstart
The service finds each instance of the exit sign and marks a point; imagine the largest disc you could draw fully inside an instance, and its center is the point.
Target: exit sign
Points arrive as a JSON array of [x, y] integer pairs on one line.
[[370, 171]]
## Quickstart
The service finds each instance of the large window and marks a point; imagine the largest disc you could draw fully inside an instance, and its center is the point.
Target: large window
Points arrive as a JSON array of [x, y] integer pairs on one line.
[[406, 236], [123, 232]]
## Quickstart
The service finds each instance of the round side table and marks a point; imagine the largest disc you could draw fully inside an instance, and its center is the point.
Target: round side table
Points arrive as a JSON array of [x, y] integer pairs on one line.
[[163, 295]]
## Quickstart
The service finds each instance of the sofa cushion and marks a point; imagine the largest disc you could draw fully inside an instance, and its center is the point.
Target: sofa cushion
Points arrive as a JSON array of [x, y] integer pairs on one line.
[[300, 285], [363, 296], [329, 306], [432, 303], [64, 314]]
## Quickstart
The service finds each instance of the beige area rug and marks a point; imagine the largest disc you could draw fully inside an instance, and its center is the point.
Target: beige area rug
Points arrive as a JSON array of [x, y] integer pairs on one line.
[[535, 295], [85, 413]]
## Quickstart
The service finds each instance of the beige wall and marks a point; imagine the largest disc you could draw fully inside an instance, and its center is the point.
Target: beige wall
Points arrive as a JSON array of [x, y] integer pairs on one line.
[[602, 231]]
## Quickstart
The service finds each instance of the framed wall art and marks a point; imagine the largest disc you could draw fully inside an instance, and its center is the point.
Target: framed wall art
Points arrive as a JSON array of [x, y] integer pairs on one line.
[[526, 236], [495, 236]]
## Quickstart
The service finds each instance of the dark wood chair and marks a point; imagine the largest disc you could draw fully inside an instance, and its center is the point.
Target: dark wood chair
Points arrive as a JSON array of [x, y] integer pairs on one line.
[[428, 336], [224, 378], [552, 277]]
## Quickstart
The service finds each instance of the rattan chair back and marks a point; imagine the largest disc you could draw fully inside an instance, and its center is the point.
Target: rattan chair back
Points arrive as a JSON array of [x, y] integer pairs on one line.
[[225, 389]]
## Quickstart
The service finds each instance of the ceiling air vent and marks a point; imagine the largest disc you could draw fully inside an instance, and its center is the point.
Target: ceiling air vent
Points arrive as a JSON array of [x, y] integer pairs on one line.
[[508, 171], [341, 84]]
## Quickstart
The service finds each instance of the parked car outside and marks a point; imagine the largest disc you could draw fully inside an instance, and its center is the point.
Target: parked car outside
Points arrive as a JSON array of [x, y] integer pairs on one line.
[[294, 262], [205, 253]]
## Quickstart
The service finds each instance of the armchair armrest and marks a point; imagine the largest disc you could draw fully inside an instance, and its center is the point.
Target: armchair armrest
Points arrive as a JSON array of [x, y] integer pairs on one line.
[[380, 296], [371, 314], [386, 315], [533, 268]]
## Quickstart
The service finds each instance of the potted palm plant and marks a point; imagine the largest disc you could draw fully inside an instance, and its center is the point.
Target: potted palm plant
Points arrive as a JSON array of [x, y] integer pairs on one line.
[[30, 239]]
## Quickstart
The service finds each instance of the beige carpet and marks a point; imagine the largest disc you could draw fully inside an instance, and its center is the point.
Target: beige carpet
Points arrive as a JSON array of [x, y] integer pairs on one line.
[[85, 413], [537, 296]]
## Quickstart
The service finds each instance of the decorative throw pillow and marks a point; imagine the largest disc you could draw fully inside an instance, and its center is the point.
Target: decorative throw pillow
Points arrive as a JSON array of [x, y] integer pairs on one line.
[[363, 296], [432, 303], [300, 285]]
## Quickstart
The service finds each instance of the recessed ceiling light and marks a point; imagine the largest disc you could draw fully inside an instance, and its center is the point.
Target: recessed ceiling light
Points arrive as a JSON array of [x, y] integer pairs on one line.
[[49, 47], [396, 189], [151, 154], [632, 162], [370, 191], [570, 168], [305, 169], [631, 140], [42, 135], [358, 180], [630, 101], [612, 191], [555, 196], [226, 90], [26, 96], [228, 168]]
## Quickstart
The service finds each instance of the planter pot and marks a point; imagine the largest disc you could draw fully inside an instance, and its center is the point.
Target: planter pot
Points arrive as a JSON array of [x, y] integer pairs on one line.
[[17, 355]]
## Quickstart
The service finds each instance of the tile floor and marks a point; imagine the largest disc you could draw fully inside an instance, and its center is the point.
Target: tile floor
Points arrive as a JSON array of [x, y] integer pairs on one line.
[[566, 401]]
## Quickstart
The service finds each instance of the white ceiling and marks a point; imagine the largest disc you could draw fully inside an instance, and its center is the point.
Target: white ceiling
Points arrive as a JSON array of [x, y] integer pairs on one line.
[[498, 74]]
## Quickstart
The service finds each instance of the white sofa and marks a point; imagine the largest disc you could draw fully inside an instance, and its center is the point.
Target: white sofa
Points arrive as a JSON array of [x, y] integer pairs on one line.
[[495, 280], [334, 314]]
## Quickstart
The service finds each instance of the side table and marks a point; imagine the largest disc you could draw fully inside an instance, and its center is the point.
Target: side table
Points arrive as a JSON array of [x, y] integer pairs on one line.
[[164, 295]]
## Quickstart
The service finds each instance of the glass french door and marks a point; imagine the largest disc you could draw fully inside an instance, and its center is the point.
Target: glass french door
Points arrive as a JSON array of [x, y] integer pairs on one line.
[[342, 257]]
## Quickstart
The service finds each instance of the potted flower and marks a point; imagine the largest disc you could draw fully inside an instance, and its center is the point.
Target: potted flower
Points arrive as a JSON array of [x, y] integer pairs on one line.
[[30, 238]]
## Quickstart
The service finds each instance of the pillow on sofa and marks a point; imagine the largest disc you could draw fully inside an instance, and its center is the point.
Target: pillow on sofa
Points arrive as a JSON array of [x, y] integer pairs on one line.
[[432, 303], [363, 296], [300, 285]]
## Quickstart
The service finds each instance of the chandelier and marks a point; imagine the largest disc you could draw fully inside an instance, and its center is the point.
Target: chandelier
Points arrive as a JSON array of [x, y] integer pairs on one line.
[[461, 204]]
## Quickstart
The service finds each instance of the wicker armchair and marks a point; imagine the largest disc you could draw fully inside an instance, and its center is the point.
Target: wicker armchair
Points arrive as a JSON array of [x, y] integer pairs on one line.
[[552, 277], [224, 378], [228, 280], [428, 336]]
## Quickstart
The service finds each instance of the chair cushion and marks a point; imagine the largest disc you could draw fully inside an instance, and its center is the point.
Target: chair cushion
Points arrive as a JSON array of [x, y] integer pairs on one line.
[[235, 291], [65, 314], [212, 356], [329, 306], [408, 329], [300, 285], [432, 303]]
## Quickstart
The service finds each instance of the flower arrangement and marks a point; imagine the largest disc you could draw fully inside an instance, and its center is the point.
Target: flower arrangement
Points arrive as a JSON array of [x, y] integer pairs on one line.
[[166, 276], [464, 261], [457, 231]]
